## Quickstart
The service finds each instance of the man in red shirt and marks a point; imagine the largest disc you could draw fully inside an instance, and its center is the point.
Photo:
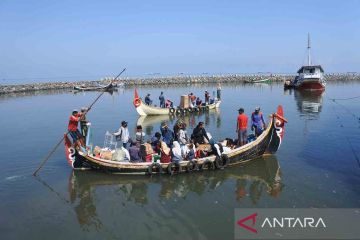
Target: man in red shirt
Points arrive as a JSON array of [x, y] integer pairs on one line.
[[241, 128], [73, 126]]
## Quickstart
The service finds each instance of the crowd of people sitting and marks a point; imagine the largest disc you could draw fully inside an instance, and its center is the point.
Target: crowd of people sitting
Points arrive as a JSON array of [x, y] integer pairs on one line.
[[194, 101], [168, 145]]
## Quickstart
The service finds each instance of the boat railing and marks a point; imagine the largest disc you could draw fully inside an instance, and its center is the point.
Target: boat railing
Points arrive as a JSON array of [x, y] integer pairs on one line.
[[311, 75]]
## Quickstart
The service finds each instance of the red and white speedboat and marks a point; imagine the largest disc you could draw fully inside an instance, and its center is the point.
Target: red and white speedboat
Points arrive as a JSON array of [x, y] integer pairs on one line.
[[310, 77]]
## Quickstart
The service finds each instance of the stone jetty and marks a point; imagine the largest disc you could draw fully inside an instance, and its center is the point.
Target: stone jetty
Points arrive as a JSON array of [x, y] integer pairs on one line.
[[157, 81]]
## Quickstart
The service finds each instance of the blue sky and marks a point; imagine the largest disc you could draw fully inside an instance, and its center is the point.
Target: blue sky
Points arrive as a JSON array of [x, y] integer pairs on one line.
[[91, 39]]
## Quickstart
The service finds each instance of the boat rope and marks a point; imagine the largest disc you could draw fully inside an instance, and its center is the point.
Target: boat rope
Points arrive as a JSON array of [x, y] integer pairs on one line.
[[52, 190], [69, 204], [353, 151], [343, 99], [347, 110], [345, 136]]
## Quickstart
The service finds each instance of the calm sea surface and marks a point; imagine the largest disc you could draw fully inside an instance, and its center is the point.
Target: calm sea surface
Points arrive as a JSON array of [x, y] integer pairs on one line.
[[316, 166]]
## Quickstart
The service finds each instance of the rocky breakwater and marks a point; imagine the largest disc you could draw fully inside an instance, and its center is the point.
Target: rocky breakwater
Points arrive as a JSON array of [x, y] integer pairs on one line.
[[158, 81], [189, 79], [31, 87]]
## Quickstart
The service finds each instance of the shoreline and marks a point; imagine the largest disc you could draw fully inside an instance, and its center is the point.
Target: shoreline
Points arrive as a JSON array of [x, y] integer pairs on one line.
[[170, 80]]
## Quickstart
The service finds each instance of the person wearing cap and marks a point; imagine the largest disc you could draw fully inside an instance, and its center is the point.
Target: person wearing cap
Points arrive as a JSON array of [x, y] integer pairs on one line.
[[84, 123], [199, 134], [241, 127], [257, 122], [73, 127], [167, 134], [148, 101], [123, 134], [140, 135]]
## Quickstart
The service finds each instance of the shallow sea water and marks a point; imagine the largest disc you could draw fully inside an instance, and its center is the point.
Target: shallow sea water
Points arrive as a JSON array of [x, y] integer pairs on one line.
[[316, 166]]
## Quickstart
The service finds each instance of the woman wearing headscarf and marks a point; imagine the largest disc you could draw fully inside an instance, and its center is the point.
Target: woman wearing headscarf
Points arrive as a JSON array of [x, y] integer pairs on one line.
[[165, 153], [176, 152], [183, 138]]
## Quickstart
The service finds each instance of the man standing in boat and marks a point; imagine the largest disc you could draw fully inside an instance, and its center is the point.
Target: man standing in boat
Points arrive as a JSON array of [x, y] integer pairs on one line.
[[207, 97], [73, 127], [148, 101], [218, 92], [84, 123], [162, 100], [241, 128], [257, 122]]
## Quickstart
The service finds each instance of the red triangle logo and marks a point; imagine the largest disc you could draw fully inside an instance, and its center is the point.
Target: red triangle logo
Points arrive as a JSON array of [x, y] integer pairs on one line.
[[241, 223]]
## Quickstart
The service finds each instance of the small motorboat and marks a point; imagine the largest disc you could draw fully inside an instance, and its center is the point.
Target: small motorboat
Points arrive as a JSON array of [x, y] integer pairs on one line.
[[265, 80], [110, 87]]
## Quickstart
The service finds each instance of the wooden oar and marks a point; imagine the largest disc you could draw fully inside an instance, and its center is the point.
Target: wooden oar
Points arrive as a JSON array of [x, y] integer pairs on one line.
[[58, 144]]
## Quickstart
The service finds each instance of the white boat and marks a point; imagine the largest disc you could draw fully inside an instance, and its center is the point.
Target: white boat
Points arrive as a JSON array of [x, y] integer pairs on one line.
[[310, 77], [145, 110]]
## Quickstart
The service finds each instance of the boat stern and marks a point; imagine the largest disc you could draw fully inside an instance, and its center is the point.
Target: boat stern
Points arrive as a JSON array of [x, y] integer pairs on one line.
[[277, 131]]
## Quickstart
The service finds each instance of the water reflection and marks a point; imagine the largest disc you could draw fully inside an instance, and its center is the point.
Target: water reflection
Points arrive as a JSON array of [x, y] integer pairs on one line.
[[262, 177], [309, 103]]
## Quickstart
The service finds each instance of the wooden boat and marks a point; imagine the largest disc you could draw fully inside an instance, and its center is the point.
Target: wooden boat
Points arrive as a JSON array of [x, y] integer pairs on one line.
[[109, 87], [144, 110], [266, 80], [268, 142]]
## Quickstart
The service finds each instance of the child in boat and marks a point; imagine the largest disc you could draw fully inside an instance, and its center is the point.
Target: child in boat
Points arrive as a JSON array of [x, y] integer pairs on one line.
[[190, 152], [140, 135]]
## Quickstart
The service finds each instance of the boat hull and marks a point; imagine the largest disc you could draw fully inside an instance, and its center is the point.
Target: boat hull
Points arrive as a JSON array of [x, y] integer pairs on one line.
[[314, 84], [146, 110]]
